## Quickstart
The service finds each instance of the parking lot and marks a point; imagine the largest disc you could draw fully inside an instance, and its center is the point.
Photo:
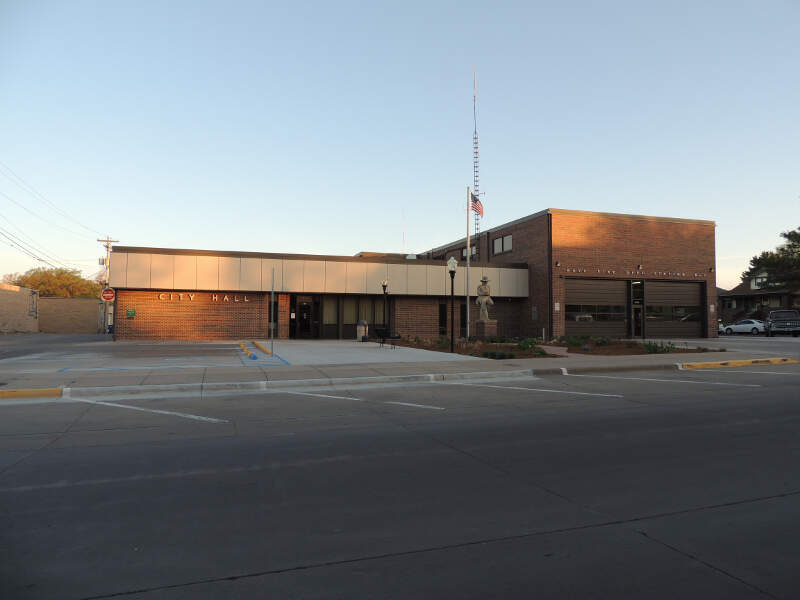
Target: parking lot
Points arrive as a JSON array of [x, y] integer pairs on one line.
[[655, 484]]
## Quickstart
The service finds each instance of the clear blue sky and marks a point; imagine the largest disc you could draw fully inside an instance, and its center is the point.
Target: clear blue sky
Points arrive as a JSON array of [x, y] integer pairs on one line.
[[312, 127]]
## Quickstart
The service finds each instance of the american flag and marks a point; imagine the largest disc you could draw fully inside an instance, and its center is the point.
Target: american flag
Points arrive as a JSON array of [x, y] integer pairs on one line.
[[475, 204]]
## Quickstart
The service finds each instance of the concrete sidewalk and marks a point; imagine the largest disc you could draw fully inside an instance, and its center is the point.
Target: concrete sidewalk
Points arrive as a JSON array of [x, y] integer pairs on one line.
[[375, 372]]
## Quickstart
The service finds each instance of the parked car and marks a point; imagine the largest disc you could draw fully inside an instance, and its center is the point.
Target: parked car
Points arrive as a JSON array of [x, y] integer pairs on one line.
[[751, 326], [783, 321]]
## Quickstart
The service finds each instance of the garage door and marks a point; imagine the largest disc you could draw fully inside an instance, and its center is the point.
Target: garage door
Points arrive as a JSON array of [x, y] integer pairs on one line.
[[595, 307], [673, 309]]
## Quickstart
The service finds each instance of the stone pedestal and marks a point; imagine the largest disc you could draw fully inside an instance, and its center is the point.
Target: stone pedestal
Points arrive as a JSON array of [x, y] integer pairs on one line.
[[486, 329]]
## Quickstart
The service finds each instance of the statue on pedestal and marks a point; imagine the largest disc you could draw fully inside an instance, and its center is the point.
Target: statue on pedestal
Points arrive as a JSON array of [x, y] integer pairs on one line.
[[484, 299]]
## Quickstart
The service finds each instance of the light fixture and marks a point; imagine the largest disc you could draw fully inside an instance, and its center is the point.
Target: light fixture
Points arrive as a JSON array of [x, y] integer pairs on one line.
[[711, 269], [452, 263], [638, 267], [558, 263]]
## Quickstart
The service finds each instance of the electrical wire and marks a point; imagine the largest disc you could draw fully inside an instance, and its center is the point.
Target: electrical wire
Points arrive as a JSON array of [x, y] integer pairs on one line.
[[33, 249], [10, 241], [29, 211], [33, 191]]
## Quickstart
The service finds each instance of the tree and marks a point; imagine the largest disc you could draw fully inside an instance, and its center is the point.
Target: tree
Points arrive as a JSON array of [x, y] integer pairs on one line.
[[64, 283], [781, 266]]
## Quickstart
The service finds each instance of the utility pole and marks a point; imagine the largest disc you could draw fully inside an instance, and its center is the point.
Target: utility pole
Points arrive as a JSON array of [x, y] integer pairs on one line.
[[107, 243], [108, 306]]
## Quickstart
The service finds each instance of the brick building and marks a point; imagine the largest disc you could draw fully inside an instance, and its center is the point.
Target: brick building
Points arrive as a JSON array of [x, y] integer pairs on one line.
[[556, 272], [196, 294], [606, 274]]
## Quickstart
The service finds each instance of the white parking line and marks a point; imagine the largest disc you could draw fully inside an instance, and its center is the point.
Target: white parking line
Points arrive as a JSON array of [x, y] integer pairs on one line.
[[414, 405], [322, 396], [508, 387], [151, 410], [665, 380]]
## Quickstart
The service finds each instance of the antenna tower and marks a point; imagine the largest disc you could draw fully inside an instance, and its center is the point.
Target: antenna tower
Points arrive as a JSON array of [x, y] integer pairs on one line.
[[475, 152]]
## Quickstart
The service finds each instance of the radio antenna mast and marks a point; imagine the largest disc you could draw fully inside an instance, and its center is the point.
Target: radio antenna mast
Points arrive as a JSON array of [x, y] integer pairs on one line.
[[475, 153]]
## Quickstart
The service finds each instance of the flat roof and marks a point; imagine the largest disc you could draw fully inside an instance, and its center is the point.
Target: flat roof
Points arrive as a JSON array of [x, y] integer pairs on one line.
[[386, 258], [566, 211]]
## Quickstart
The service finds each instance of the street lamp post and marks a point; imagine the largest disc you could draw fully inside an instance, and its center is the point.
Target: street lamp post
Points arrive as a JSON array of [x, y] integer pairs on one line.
[[384, 285], [452, 263]]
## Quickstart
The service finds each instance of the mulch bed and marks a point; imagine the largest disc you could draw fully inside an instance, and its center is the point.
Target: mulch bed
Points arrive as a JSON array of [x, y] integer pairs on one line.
[[476, 348], [622, 348]]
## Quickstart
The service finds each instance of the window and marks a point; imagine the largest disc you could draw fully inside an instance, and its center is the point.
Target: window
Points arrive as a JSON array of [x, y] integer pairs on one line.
[[442, 319], [673, 313], [473, 252], [502, 244], [586, 313], [759, 282], [330, 310]]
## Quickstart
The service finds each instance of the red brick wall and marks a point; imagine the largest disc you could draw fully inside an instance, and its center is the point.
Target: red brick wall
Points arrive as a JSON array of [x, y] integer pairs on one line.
[[419, 316], [191, 315], [613, 246]]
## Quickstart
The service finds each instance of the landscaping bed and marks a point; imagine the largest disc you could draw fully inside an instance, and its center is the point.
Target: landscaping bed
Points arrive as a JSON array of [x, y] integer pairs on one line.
[[507, 348], [605, 347]]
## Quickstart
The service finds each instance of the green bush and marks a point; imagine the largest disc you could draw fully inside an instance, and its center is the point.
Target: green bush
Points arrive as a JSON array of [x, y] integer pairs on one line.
[[572, 340], [540, 352], [442, 342], [602, 341], [659, 348], [527, 344]]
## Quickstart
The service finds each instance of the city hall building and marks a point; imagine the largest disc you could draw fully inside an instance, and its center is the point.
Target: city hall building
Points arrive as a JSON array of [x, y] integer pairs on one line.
[[553, 273]]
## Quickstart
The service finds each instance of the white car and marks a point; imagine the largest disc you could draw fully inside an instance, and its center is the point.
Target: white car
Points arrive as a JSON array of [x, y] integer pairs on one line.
[[751, 326]]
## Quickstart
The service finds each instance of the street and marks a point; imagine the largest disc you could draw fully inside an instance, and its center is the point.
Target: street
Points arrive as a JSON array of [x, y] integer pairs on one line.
[[645, 484]]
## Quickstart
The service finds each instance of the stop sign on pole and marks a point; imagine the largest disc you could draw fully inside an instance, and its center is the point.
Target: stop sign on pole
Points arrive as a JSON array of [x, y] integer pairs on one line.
[[108, 294]]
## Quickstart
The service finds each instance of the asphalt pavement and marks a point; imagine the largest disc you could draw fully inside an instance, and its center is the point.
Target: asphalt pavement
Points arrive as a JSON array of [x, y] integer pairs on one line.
[[642, 484]]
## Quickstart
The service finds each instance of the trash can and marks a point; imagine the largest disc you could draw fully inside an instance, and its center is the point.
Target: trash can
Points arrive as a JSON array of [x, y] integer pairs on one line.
[[362, 331]]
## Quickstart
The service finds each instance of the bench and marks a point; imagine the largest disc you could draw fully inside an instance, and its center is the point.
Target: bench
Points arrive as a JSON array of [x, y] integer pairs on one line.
[[384, 334]]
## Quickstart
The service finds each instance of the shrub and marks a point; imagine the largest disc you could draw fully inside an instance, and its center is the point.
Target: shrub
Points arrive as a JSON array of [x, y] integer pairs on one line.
[[602, 341], [572, 340], [659, 348], [527, 344], [442, 342], [540, 352]]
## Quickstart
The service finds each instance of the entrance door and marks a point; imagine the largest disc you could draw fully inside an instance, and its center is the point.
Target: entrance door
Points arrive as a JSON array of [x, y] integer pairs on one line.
[[637, 321], [307, 311]]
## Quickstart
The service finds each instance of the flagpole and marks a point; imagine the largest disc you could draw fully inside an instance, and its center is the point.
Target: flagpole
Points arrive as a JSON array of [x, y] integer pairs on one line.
[[469, 251]]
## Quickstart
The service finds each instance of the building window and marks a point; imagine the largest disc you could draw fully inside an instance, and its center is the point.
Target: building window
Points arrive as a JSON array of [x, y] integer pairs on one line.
[[587, 313], [473, 252], [759, 282], [502, 244], [673, 313]]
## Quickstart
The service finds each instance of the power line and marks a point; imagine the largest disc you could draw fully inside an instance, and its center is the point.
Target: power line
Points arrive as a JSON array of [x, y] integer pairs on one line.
[[32, 249], [29, 211], [10, 241], [33, 243], [30, 189]]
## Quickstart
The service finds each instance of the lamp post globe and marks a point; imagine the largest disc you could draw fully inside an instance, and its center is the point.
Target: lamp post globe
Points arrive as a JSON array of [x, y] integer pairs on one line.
[[452, 263]]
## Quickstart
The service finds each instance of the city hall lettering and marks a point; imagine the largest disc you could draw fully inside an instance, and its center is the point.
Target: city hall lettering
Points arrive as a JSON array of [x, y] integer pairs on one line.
[[180, 297]]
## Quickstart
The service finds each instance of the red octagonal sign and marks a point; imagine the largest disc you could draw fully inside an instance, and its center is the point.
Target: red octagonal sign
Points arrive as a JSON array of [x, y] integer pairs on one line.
[[108, 294]]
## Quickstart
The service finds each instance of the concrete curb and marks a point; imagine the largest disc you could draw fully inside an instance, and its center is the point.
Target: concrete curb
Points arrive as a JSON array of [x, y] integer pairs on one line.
[[255, 386], [138, 390], [736, 363]]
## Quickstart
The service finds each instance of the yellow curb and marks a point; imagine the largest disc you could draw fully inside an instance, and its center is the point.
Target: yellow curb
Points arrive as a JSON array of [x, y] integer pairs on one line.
[[32, 393], [260, 347], [738, 363]]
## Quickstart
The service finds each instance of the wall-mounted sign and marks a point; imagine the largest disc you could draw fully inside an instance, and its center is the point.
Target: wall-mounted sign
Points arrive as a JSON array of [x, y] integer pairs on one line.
[[131, 312], [108, 294], [179, 297]]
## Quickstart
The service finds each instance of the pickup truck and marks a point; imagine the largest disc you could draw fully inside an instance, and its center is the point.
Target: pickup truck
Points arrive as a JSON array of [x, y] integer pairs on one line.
[[783, 321]]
